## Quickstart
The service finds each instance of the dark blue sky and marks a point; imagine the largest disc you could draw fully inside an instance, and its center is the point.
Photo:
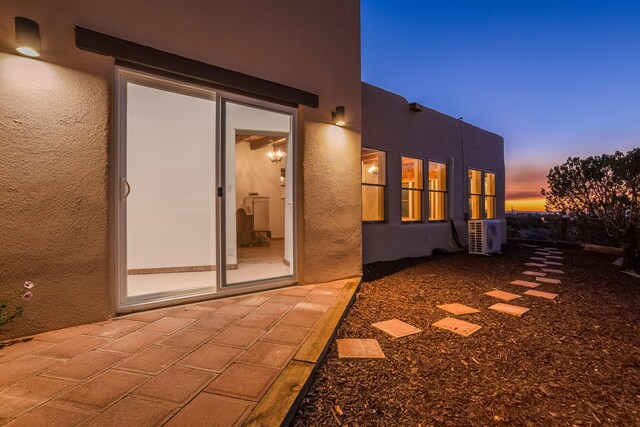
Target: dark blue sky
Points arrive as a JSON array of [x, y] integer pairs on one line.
[[554, 77]]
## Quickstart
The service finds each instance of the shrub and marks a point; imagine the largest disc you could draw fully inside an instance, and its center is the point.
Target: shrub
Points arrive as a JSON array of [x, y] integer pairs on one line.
[[11, 304]]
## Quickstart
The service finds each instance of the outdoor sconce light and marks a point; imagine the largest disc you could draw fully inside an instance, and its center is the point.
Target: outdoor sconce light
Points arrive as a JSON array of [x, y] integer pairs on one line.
[[27, 37], [338, 116]]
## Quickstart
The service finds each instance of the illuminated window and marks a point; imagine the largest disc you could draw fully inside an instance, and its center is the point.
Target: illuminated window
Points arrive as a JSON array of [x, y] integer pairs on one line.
[[482, 194], [437, 191], [475, 194], [489, 195], [374, 184], [412, 189]]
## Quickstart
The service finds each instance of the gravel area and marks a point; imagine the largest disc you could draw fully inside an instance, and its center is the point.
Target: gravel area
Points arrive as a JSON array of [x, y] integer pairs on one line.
[[575, 361]]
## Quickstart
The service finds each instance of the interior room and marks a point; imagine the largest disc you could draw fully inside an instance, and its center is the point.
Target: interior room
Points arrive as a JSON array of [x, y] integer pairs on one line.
[[260, 202]]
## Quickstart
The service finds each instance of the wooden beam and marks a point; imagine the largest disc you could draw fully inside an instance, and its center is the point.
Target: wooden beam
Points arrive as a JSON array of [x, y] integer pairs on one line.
[[257, 142], [165, 63], [266, 141]]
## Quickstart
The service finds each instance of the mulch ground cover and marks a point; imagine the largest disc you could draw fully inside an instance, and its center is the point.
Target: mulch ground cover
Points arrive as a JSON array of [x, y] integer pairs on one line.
[[575, 361]]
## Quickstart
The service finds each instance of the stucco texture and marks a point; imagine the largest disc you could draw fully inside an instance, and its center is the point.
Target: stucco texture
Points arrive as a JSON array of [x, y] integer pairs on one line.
[[389, 125], [57, 137], [53, 190]]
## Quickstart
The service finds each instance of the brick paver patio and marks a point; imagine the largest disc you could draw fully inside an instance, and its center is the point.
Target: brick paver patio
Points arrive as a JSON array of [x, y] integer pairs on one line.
[[203, 364]]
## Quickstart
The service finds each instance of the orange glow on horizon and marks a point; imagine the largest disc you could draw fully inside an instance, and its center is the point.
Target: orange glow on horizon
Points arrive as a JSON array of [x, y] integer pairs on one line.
[[525, 204]]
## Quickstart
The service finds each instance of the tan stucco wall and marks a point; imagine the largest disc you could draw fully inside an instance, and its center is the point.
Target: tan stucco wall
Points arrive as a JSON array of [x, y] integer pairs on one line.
[[53, 199], [389, 125], [56, 136]]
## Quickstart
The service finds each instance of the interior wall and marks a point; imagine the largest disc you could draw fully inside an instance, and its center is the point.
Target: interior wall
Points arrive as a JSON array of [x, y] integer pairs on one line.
[[255, 173], [171, 172]]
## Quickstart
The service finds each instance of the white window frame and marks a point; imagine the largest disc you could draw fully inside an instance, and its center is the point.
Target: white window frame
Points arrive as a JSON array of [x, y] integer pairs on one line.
[[445, 192]]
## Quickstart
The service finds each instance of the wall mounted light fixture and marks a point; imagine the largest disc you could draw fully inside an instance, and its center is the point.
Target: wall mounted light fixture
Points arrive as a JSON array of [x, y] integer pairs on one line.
[[338, 116], [27, 37]]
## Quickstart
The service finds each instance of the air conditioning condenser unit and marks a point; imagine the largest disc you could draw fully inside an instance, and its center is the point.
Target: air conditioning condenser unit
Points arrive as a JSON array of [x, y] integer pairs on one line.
[[484, 236]]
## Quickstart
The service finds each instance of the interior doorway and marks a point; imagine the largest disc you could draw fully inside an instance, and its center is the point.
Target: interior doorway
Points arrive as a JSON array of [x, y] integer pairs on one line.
[[259, 202]]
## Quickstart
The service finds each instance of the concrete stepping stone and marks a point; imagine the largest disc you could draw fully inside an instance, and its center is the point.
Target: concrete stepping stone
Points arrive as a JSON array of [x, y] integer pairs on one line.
[[526, 245], [458, 309], [525, 283], [542, 253], [514, 310], [535, 264], [552, 270], [554, 263], [534, 273], [547, 295], [555, 257], [548, 280], [548, 248], [359, 349], [537, 258], [396, 328], [456, 326], [505, 296]]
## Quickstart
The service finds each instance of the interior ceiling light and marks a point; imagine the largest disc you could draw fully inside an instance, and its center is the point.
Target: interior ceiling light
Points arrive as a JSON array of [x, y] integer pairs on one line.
[[27, 37], [338, 116], [276, 156], [373, 169]]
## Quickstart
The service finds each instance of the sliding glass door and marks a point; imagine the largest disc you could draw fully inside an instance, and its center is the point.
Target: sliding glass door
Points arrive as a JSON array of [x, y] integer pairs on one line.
[[167, 188], [202, 178], [258, 194]]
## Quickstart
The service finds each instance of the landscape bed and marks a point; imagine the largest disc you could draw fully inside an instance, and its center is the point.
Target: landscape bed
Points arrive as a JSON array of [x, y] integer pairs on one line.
[[575, 361]]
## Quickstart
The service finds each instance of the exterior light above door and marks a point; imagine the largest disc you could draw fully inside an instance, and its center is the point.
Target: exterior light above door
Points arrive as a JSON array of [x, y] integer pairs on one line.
[[338, 116], [27, 37]]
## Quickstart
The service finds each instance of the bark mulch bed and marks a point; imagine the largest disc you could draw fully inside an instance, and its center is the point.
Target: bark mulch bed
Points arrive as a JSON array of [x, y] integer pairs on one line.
[[571, 362]]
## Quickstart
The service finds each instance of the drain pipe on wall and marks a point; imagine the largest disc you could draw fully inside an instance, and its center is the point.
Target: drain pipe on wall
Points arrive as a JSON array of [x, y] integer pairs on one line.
[[465, 179], [452, 217], [454, 231]]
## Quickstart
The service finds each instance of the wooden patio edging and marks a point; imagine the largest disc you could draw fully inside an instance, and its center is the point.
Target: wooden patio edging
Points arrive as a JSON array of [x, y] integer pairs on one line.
[[280, 403]]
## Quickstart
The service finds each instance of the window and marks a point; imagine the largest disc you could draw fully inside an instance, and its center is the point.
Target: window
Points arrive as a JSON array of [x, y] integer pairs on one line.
[[482, 194], [475, 194], [374, 184], [437, 191], [412, 189], [489, 195]]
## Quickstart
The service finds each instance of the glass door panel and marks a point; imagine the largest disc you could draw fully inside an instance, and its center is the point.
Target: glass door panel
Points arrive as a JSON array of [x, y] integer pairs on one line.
[[258, 193], [169, 185]]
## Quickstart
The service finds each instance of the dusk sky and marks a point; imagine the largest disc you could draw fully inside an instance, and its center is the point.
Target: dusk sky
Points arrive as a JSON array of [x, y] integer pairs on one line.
[[555, 78]]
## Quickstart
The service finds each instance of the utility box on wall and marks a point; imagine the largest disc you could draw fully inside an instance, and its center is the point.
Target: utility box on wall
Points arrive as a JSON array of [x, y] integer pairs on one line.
[[484, 237]]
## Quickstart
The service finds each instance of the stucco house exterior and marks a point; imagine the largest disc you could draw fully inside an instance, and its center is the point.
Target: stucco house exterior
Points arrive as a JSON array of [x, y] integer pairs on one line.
[[157, 153], [434, 173]]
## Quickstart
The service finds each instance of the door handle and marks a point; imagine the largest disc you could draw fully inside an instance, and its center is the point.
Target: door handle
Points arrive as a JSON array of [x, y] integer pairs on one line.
[[123, 181], [220, 192]]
